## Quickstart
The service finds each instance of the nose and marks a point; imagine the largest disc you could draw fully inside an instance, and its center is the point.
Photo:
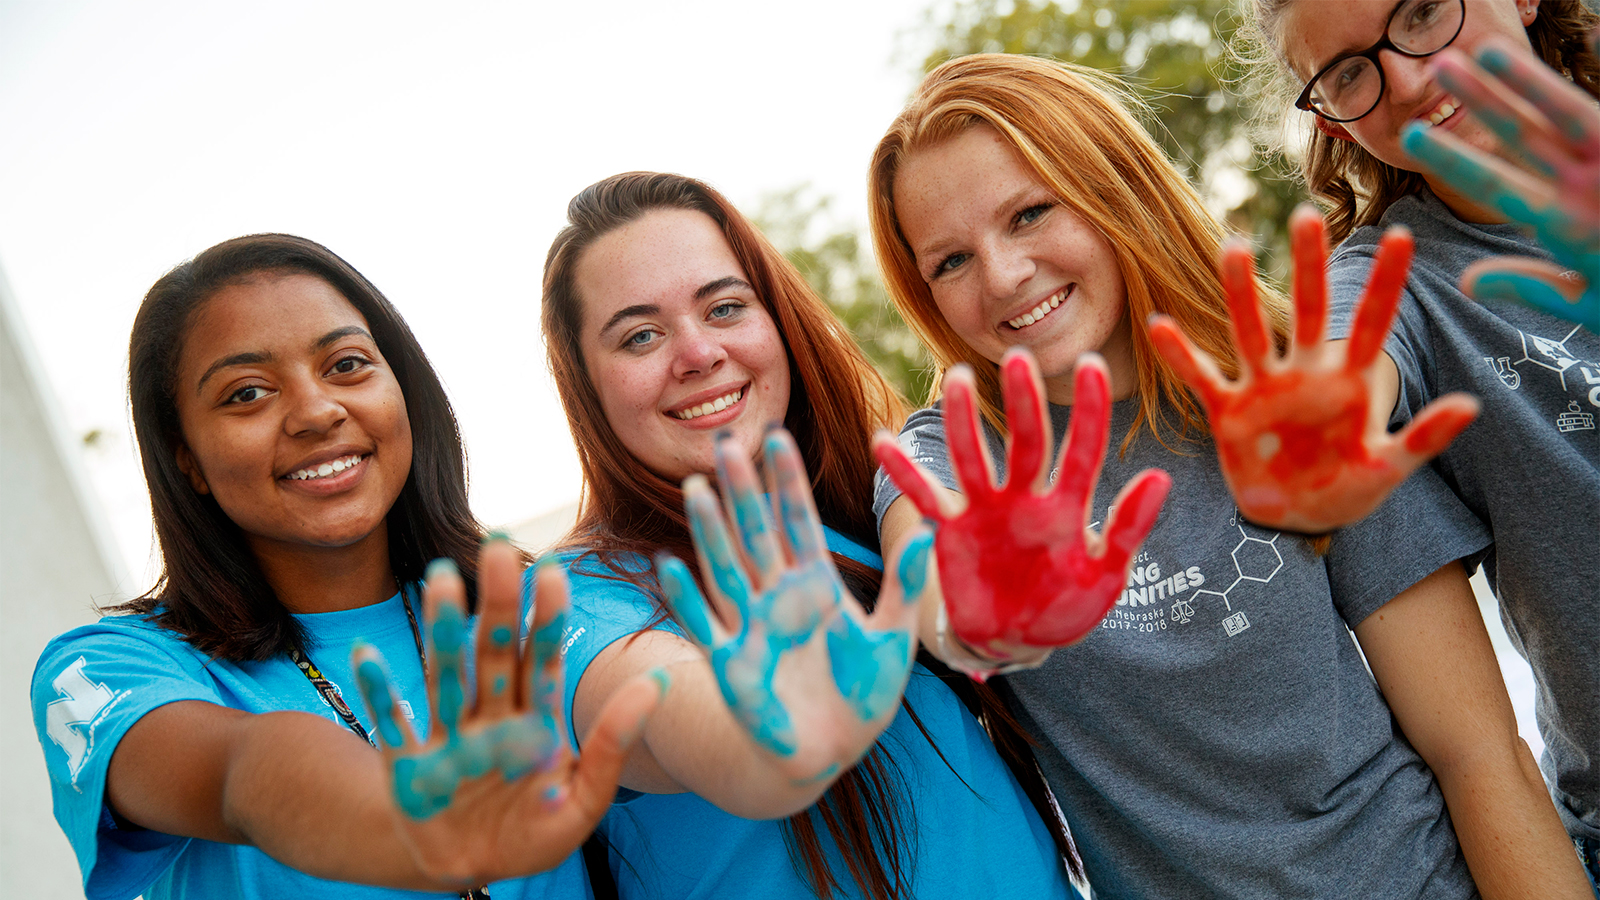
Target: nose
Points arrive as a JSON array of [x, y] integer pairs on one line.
[[1406, 77], [312, 409], [697, 352], [1006, 268]]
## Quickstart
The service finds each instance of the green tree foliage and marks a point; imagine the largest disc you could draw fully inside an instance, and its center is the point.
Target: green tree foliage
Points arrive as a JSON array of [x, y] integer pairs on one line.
[[844, 274], [1173, 53]]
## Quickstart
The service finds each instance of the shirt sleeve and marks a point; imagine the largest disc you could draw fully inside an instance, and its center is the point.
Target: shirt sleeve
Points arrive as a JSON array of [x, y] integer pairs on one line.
[[90, 686], [1419, 529], [923, 439], [602, 610], [1407, 344]]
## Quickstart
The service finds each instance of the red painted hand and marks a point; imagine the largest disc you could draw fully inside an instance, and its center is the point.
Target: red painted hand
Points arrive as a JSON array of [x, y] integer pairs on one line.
[[1019, 566], [1302, 440]]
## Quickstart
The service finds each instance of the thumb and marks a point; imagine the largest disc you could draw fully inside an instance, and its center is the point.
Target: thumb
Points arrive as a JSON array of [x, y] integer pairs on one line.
[[614, 734], [1542, 285], [905, 579]]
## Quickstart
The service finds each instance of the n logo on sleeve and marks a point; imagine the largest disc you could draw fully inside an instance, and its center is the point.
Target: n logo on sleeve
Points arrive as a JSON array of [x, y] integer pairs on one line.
[[69, 721]]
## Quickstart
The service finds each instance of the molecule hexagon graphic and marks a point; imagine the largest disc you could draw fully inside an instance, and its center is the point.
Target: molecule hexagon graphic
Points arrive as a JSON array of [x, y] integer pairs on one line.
[[1255, 559]]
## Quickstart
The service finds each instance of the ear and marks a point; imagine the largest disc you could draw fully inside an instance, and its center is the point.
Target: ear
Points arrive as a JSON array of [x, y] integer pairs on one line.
[[1334, 130], [189, 467], [1527, 10]]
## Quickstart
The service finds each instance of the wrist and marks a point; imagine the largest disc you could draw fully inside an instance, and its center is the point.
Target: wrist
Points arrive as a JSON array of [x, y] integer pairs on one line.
[[981, 664]]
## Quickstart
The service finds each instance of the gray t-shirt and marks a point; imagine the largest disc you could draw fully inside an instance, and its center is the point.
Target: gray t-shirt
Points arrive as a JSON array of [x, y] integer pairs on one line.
[[1218, 735], [1529, 467]]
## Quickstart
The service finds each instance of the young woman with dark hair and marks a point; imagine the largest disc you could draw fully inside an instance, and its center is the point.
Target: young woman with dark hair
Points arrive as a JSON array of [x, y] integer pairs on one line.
[[669, 321], [304, 466]]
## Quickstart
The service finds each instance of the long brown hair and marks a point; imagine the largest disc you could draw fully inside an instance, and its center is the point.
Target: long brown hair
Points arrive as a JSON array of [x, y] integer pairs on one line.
[[211, 591], [1355, 186], [1070, 125], [836, 399]]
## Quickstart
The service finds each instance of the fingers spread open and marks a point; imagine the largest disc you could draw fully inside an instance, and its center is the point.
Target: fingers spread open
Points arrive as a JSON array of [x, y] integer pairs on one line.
[[1310, 246], [1086, 437], [1193, 365], [1028, 420], [1381, 298], [802, 526], [372, 679], [741, 492], [964, 429], [1250, 332], [1491, 180], [912, 481]]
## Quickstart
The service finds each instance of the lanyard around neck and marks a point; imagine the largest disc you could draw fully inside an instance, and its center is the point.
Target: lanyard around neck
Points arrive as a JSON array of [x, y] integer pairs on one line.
[[332, 696]]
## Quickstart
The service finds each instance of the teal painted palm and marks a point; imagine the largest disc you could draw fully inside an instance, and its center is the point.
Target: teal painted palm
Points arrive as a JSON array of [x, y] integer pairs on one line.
[[803, 668], [1552, 126]]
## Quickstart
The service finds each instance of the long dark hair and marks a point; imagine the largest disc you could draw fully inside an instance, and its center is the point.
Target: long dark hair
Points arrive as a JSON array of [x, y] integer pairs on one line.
[[211, 590], [628, 511]]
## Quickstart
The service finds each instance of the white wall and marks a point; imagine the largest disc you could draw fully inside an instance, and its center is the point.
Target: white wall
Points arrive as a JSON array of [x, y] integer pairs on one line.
[[56, 563]]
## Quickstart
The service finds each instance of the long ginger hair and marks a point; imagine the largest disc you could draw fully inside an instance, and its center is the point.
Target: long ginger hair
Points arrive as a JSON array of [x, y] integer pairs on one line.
[[1071, 126]]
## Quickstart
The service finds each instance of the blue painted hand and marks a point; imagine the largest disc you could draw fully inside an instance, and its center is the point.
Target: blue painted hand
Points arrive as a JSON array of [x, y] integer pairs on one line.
[[493, 791], [1554, 127], [772, 668]]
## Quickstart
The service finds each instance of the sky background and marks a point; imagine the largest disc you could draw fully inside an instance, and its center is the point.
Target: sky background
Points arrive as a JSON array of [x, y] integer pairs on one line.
[[433, 148]]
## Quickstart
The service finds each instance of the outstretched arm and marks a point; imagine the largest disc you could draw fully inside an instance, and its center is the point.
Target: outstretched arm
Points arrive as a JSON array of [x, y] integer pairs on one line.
[[1555, 127], [1431, 657], [1302, 438], [791, 682], [1019, 569], [196, 769]]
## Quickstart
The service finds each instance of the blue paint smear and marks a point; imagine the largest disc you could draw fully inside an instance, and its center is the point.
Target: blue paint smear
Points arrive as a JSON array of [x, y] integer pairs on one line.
[[374, 685], [869, 668]]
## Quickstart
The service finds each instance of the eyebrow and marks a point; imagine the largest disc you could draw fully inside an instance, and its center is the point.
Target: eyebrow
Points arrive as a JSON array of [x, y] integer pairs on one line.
[[650, 309], [937, 248], [257, 357]]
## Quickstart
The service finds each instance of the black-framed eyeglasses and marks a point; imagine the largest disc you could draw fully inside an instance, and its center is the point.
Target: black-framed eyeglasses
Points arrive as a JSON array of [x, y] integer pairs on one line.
[[1351, 86]]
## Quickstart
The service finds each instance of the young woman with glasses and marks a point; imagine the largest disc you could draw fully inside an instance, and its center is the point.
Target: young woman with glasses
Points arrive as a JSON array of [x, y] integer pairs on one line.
[[1530, 467]]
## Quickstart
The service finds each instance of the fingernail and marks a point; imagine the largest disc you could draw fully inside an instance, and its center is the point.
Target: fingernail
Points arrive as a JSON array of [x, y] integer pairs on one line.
[[724, 434], [1494, 59], [442, 566], [494, 536]]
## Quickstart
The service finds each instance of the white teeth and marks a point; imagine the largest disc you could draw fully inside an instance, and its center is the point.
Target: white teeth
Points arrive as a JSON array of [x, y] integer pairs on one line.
[[1040, 311], [326, 469], [1445, 111], [709, 407]]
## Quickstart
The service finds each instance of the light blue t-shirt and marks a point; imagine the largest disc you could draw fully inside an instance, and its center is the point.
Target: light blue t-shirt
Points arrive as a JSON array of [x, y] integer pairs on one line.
[[94, 682], [970, 831]]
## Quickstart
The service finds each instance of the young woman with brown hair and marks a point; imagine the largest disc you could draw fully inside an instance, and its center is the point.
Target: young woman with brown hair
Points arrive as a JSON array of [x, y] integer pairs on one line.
[[670, 320]]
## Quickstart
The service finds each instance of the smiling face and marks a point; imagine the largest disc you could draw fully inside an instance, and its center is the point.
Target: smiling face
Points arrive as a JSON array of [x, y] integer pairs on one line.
[[1008, 264], [291, 418], [1313, 33], [677, 343]]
